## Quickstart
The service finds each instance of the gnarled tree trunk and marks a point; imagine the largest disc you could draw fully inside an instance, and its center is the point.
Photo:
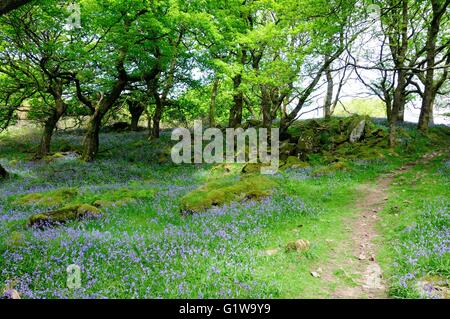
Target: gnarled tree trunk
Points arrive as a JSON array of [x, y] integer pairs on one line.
[[49, 128], [399, 54], [51, 122], [92, 138], [156, 129], [136, 109], [431, 85], [236, 111]]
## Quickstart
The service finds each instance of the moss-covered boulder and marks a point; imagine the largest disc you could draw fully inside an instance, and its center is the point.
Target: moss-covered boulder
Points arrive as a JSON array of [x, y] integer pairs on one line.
[[339, 139], [118, 196], [287, 149], [64, 215], [293, 162], [61, 156], [252, 168], [356, 129], [3, 173], [307, 143], [222, 192], [330, 169], [51, 198]]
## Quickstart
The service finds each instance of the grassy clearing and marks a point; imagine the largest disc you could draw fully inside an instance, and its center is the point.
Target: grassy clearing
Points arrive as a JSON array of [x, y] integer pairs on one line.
[[144, 247], [416, 228]]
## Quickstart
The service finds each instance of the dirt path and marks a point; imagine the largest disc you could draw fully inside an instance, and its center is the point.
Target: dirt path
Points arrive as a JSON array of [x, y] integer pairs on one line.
[[353, 265]]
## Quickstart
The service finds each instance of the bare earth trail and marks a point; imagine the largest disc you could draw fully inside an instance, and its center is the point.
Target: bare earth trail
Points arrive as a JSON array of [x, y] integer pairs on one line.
[[353, 265]]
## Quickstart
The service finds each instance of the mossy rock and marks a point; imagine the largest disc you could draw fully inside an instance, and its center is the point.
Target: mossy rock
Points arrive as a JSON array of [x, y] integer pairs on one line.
[[61, 156], [294, 162], [52, 198], [222, 192], [253, 168], [222, 169], [54, 156], [64, 215], [357, 128], [339, 139], [369, 152], [330, 169], [3, 173], [287, 149], [306, 142], [116, 197]]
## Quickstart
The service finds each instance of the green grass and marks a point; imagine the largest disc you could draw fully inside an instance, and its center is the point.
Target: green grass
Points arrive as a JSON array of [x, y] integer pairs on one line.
[[415, 228]]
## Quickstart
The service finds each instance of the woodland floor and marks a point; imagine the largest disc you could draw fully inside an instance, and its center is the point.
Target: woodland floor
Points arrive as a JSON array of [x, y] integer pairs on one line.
[[377, 228]]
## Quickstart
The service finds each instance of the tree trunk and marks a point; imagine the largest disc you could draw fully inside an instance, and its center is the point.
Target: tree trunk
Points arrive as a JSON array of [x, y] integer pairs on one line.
[[49, 128], [399, 93], [212, 106], [236, 111], [426, 112], [398, 103], [92, 139], [156, 129], [134, 126], [149, 121], [136, 109], [431, 88], [401, 113], [235, 119], [429, 95], [388, 101], [51, 122], [266, 107], [329, 95]]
